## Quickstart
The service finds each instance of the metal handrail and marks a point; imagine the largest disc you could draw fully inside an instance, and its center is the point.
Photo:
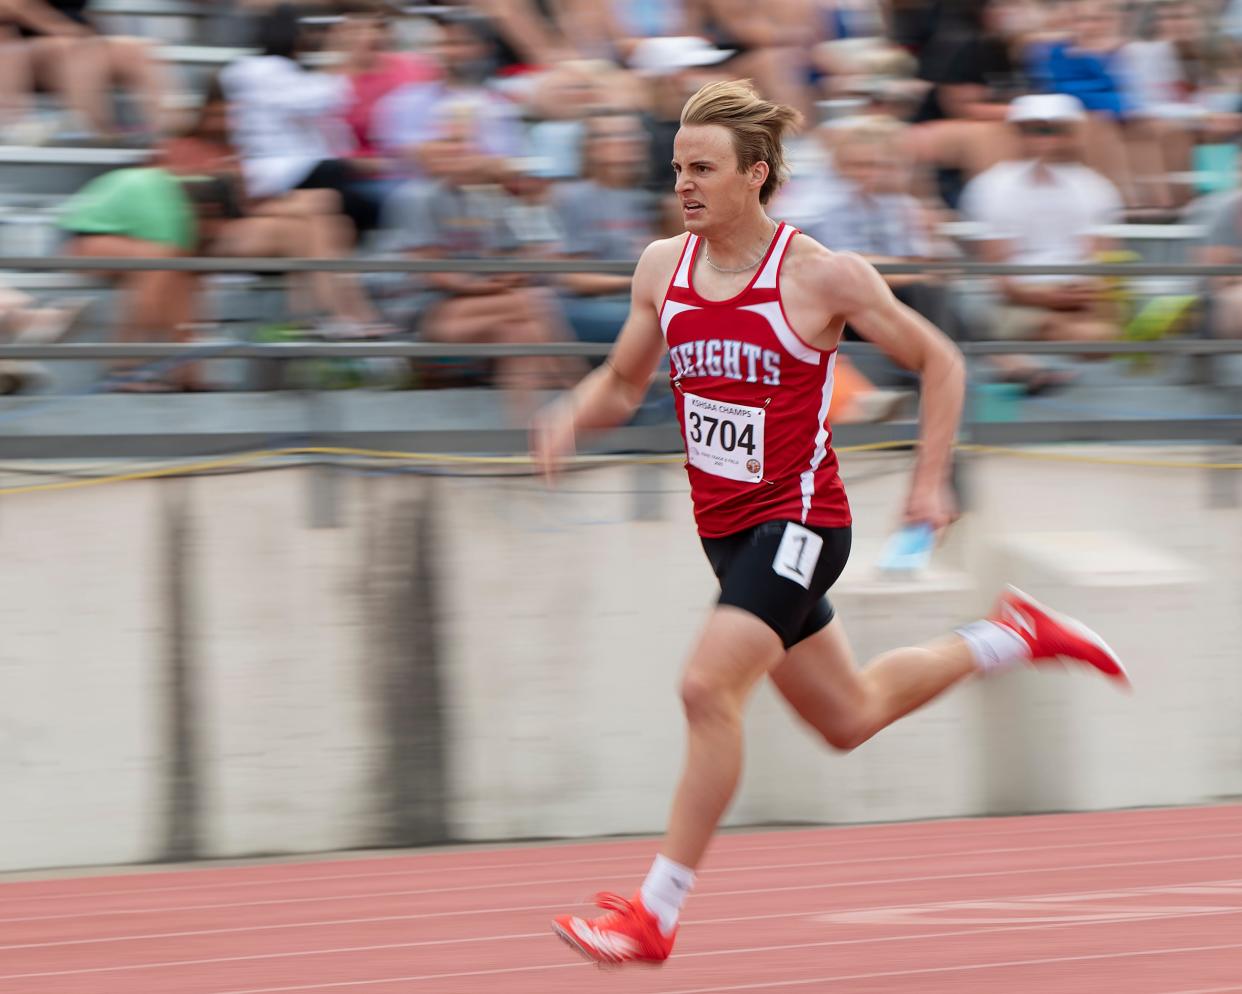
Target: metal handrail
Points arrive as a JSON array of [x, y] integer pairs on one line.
[[549, 266], [441, 350]]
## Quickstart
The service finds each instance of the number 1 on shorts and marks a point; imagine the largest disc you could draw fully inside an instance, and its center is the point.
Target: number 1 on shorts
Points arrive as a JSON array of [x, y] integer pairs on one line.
[[798, 554]]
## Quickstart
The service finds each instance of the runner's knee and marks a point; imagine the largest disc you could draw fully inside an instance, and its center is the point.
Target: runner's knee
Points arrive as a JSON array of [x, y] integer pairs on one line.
[[707, 697], [847, 734]]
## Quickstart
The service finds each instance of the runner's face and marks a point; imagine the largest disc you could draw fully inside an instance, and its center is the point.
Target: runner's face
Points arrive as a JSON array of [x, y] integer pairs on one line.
[[711, 190]]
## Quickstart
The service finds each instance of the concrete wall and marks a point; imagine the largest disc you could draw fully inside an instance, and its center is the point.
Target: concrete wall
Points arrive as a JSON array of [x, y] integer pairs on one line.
[[190, 669]]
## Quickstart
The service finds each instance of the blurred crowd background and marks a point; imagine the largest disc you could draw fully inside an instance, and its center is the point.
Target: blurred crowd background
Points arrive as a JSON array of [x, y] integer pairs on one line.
[[1042, 132]]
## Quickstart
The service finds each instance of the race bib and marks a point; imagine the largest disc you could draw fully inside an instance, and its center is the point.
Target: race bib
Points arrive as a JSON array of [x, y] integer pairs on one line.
[[724, 439]]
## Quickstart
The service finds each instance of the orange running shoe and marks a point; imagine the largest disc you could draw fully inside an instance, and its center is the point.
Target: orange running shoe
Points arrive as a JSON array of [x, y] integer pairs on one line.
[[1053, 636], [629, 933]]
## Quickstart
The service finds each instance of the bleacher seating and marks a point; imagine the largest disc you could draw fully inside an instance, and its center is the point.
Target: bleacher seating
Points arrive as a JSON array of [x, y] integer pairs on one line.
[[196, 39]]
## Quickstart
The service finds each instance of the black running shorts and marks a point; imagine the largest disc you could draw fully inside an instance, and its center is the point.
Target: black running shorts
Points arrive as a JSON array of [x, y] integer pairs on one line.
[[780, 572]]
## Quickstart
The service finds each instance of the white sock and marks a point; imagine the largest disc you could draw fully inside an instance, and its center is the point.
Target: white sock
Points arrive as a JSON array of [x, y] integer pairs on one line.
[[665, 890], [994, 646]]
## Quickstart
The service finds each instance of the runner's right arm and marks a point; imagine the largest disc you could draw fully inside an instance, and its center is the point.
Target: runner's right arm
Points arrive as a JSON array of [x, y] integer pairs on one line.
[[610, 394]]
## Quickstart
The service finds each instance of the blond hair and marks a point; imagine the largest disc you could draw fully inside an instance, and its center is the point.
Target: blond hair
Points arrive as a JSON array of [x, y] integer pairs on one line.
[[757, 126]]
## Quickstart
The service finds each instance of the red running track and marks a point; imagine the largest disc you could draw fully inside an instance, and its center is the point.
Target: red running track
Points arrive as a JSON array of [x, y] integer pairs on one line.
[[1141, 902]]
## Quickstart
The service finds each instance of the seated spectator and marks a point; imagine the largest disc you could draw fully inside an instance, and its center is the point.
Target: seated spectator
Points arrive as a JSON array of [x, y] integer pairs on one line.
[[873, 212], [607, 215], [15, 88], [1040, 210], [410, 124], [973, 66], [769, 44], [150, 213], [459, 215], [1166, 113], [288, 123], [364, 41], [1087, 66], [562, 100], [528, 34], [627, 23], [65, 53], [302, 224]]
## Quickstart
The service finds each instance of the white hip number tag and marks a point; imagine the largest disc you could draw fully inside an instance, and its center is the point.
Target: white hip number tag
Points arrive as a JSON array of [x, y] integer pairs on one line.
[[724, 439], [798, 554]]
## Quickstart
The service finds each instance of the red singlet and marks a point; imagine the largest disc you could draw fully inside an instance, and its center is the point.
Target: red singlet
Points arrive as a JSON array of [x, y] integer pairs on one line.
[[752, 401]]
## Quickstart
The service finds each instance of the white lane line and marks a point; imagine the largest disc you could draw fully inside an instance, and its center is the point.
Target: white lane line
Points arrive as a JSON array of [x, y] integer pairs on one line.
[[922, 971], [959, 968], [639, 858], [1207, 990], [828, 837], [168, 964], [731, 951], [374, 895], [1212, 886]]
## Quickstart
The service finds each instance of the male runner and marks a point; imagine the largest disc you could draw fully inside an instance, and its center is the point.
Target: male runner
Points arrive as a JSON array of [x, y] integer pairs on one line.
[[750, 312]]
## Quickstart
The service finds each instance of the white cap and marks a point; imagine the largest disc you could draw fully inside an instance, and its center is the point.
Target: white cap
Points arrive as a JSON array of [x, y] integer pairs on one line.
[[659, 56], [1045, 107]]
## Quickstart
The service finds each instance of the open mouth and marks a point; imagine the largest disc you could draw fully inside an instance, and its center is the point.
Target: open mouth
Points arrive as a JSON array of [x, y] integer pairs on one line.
[[691, 207]]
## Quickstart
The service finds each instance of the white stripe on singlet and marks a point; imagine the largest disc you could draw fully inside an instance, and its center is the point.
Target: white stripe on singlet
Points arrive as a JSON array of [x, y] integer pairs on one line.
[[821, 440]]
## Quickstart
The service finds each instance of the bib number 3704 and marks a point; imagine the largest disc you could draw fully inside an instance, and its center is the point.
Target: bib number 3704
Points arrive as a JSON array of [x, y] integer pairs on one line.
[[724, 439]]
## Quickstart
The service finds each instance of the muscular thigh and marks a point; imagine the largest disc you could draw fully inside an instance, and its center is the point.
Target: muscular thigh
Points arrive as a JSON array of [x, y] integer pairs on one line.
[[733, 652], [819, 677]]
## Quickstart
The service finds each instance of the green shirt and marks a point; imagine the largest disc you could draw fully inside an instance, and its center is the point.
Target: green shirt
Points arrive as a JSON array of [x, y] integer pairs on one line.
[[144, 203]]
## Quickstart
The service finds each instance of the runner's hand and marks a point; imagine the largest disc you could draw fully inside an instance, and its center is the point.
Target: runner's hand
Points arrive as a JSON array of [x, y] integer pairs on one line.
[[552, 437], [931, 503]]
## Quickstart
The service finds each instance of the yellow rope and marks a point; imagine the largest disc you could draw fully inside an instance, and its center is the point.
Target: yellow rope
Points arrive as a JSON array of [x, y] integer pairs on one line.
[[998, 450], [229, 462]]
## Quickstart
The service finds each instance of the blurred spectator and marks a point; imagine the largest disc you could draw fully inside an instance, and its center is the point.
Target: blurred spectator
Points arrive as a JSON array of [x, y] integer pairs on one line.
[[769, 44], [64, 52], [527, 33], [150, 213], [462, 215], [973, 63], [813, 185], [1041, 210], [411, 122], [608, 215], [873, 212], [563, 99], [364, 42], [1087, 65], [628, 22], [1162, 115], [302, 224], [15, 87], [1174, 86], [288, 123]]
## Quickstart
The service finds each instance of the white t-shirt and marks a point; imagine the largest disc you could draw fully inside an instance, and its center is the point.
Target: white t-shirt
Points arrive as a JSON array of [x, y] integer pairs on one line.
[[284, 120], [1152, 79], [1047, 212]]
